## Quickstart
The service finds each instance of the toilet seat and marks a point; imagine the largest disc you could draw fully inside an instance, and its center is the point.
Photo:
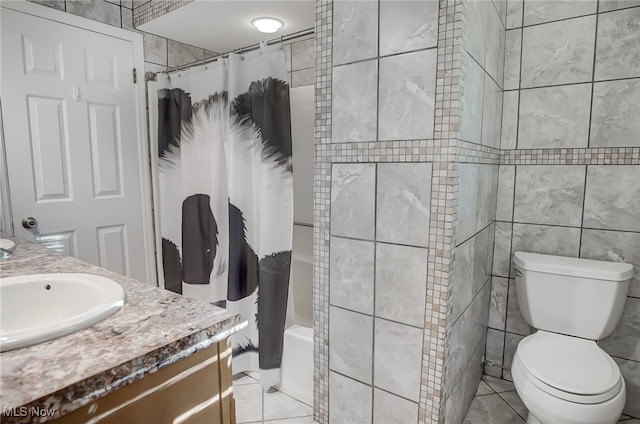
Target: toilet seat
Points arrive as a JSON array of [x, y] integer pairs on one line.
[[569, 368]]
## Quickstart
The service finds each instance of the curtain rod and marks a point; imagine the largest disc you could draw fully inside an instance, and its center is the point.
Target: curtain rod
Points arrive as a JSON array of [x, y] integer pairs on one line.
[[151, 76]]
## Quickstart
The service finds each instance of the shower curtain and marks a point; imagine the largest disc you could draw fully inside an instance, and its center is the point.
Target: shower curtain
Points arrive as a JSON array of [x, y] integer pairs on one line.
[[226, 195]]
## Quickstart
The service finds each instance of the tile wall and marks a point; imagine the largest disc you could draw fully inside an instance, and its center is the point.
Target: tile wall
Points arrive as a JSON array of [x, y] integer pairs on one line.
[[569, 179]]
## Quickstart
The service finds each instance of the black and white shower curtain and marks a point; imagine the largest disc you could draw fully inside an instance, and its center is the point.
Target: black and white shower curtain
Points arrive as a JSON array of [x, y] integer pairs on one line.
[[226, 195]]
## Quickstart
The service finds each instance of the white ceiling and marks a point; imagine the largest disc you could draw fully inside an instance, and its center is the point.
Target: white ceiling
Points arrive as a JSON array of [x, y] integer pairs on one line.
[[225, 25]]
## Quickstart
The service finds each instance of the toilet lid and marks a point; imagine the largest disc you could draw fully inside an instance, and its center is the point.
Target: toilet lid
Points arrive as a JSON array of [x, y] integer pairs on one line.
[[569, 364]]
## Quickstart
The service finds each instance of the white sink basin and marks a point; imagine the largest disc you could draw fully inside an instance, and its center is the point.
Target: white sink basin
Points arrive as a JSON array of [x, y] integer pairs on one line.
[[42, 307]]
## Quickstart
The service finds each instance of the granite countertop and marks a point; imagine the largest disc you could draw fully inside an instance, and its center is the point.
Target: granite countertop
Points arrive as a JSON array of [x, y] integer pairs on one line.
[[155, 328]]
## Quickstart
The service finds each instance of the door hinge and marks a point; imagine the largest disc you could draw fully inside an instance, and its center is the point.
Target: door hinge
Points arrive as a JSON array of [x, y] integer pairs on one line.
[[135, 76]]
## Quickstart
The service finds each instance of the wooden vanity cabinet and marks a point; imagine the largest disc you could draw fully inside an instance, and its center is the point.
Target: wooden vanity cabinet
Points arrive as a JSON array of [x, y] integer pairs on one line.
[[194, 390]]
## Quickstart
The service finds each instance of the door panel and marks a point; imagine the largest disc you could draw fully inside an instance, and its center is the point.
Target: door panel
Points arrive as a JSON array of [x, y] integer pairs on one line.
[[71, 135]]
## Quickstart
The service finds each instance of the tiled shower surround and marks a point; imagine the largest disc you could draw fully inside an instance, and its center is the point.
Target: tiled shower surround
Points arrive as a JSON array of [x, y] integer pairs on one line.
[[569, 179]]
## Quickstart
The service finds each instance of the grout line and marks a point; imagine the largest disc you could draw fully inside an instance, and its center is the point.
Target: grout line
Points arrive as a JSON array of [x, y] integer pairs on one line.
[[385, 56], [509, 405]]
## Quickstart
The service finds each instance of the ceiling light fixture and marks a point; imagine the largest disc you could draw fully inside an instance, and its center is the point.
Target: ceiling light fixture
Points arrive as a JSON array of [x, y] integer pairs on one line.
[[268, 25]]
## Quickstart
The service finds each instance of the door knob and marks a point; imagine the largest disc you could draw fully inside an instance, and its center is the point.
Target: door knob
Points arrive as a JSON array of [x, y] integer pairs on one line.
[[29, 222]]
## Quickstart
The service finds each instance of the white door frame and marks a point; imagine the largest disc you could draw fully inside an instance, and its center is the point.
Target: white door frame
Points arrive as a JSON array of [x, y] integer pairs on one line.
[[143, 148]]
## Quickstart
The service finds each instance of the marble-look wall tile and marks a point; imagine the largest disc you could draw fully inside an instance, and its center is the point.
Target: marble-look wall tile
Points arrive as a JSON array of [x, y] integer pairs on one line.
[[495, 345], [468, 176], [350, 400], [512, 59], [558, 53], [55, 4], [355, 31], [618, 54], [502, 249], [510, 345], [477, 28], [398, 358], [612, 198], [562, 241], [616, 108], [498, 305], [100, 11], [388, 408], [494, 46], [614, 246], [487, 195], [353, 200], [401, 283], [509, 133], [607, 5], [630, 370], [515, 9], [350, 344], [554, 117], [408, 25], [539, 11], [287, 56], [472, 101], [506, 182], [155, 49], [625, 340], [303, 77], [303, 54], [404, 196], [126, 16], [407, 96], [351, 265], [491, 113], [354, 102], [549, 194], [515, 321], [181, 54], [127, 3]]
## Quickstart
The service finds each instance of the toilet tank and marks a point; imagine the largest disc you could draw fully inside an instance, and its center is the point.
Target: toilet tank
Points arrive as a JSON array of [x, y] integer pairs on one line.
[[573, 296]]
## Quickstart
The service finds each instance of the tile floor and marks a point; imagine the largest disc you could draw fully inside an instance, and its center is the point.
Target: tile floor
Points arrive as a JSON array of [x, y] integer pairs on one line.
[[255, 406], [497, 402]]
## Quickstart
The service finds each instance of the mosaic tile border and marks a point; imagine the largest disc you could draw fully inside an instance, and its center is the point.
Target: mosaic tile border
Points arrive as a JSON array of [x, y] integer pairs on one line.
[[574, 156], [154, 9], [476, 153]]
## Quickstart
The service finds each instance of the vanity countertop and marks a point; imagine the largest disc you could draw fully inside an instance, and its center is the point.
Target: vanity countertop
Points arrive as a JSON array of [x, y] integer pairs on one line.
[[155, 328]]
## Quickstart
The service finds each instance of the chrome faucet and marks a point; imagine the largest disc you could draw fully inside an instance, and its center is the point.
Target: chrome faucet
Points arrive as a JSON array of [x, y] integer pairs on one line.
[[5, 253]]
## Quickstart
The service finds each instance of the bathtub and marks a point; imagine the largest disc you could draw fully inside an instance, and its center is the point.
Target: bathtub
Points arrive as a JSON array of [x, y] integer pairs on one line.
[[297, 351]]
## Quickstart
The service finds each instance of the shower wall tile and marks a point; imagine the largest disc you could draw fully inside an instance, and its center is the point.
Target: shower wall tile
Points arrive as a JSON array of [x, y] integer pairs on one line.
[[407, 25], [612, 198], [127, 3], [181, 54], [351, 268], [353, 200], [539, 11], [608, 5], [512, 59], [54, 4], [398, 358], [477, 29], [468, 177], [498, 305], [472, 101], [494, 46], [287, 56], [515, 322], [403, 201], [303, 55], [558, 53], [355, 31], [625, 340], [502, 249], [401, 283], [614, 119], [495, 346], [155, 49], [549, 194], [350, 400], [487, 195], [303, 77], [618, 55], [515, 9], [101, 11], [491, 113], [614, 246], [554, 117], [509, 119], [350, 346], [407, 96], [126, 16], [506, 182], [354, 103], [562, 241], [465, 389], [630, 370], [388, 408]]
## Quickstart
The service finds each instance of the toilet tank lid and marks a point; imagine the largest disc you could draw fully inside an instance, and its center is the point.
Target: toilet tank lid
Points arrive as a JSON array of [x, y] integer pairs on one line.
[[575, 267]]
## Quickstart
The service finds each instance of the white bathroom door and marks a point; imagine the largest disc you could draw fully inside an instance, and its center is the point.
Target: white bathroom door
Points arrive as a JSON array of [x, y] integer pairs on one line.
[[72, 135]]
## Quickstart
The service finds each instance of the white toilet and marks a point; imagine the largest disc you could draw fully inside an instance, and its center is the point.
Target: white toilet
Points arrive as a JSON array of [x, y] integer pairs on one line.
[[560, 373]]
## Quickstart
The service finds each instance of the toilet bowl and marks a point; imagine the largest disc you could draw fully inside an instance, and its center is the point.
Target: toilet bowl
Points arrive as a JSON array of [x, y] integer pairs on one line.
[[560, 373], [567, 380]]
